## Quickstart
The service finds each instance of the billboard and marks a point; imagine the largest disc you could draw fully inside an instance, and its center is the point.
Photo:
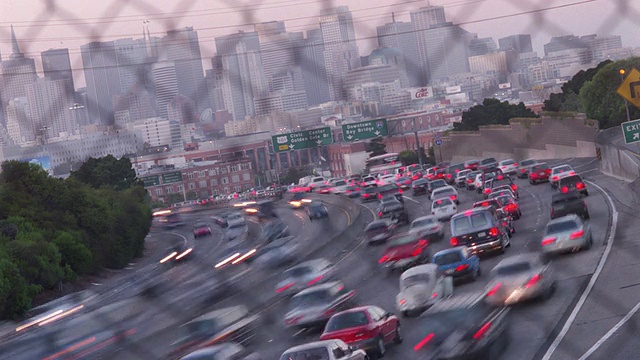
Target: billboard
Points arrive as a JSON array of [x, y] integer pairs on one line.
[[453, 89], [421, 93], [43, 161], [504, 86]]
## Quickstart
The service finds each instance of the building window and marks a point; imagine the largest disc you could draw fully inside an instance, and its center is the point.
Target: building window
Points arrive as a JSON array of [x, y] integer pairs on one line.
[[192, 186], [214, 182], [180, 188], [237, 188], [235, 168], [225, 180], [169, 189], [213, 172], [246, 166], [190, 176], [200, 174], [203, 184], [158, 191], [223, 170], [216, 192], [247, 186], [235, 178], [246, 177]]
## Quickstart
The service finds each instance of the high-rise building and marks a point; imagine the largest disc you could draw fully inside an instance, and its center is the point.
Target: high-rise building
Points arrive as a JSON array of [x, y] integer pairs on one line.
[[400, 35], [310, 57], [166, 85], [131, 60], [340, 50], [239, 55], [16, 74], [277, 50], [445, 50], [18, 126], [183, 48], [137, 102], [492, 63], [382, 74], [49, 113], [427, 17], [601, 46], [99, 60], [481, 46], [281, 101], [521, 43], [56, 65], [394, 58], [561, 43], [182, 110]]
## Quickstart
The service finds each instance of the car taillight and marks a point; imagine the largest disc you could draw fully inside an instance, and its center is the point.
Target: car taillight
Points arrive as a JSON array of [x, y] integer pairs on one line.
[[379, 196], [555, 178], [400, 191], [423, 342], [453, 197], [310, 283], [380, 214], [514, 187], [403, 301], [284, 288], [383, 259], [462, 267], [579, 186], [416, 252], [482, 331], [576, 235], [448, 176], [514, 165], [511, 207], [564, 189], [469, 181], [548, 241], [453, 241], [534, 280], [487, 191], [523, 170], [548, 171], [494, 289], [493, 232]]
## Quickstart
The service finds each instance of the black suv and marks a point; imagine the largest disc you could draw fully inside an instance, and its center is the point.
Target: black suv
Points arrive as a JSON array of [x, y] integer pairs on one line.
[[480, 229], [436, 184], [568, 203], [462, 327], [501, 180], [420, 186], [393, 210], [573, 183], [488, 163], [452, 170], [390, 189]]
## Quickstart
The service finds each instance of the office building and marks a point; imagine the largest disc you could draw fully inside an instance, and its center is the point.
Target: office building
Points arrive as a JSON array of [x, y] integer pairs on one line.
[[561, 43], [16, 73], [521, 43], [281, 101], [481, 46], [277, 50], [392, 57], [310, 57], [182, 110], [428, 16], [444, 48], [158, 132], [49, 112], [382, 74], [19, 127], [99, 61], [601, 46], [56, 65], [495, 63], [138, 103], [400, 35], [166, 85]]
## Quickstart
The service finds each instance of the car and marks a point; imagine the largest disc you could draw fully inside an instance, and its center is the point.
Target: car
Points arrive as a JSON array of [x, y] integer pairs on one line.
[[235, 219], [339, 187], [461, 178], [323, 189], [479, 229], [324, 350], [445, 192], [369, 328], [420, 287], [316, 181], [463, 326], [387, 180], [393, 210], [508, 167], [509, 206], [477, 183], [443, 209], [379, 231], [524, 166], [179, 252], [201, 229], [317, 210], [368, 194], [458, 262], [274, 230], [557, 172], [298, 200], [221, 220], [352, 191], [263, 209], [420, 187], [236, 231], [505, 219], [487, 163], [568, 203], [573, 183], [235, 254], [428, 227], [539, 173], [501, 191], [224, 351], [520, 278], [436, 184], [216, 327], [304, 275], [368, 181], [313, 307], [430, 173], [472, 164], [390, 189], [567, 233], [404, 251], [173, 221], [403, 182], [280, 252], [451, 171], [504, 180]]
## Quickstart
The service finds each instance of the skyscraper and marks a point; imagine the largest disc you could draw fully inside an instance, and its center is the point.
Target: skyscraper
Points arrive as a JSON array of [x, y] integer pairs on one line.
[[428, 16], [400, 35], [447, 50], [56, 65], [16, 74], [48, 109], [166, 85], [310, 57], [340, 49], [183, 48], [520, 43], [131, 58], [277, 50], [481, 46], [99, 60]]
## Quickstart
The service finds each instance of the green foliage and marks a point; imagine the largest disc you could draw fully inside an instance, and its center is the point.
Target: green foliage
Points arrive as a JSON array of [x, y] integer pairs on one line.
[[491, 112], [568, 99], [53, 230], [294, 174], [408, 157], [600, 99], [376, 146], [174, 198], [107, 171]]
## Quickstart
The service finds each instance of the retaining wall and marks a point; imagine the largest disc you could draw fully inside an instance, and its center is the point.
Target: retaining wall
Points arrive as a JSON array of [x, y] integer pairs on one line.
[[617, 160]]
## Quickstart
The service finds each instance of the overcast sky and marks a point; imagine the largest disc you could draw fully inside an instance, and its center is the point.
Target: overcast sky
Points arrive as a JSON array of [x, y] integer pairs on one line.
[[71, 23]]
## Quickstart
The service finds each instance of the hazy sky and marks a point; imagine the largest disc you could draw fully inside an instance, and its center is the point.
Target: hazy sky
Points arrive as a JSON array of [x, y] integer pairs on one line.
[[45, 24]]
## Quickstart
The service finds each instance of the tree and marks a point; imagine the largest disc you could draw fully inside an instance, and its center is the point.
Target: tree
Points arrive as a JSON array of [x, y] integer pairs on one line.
[[174, 198], [491, 112], [73, 252], [191, 195], [107, 171], [408, 157], [567, 99], [376, 146], [599, 98], [15, 292]]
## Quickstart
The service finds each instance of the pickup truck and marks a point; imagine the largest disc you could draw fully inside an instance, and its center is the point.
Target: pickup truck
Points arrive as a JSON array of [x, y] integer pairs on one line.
[[567, 203]]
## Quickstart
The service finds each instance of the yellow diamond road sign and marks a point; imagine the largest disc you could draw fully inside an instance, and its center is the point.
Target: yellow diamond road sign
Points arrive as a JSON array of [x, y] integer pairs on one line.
[[630, 88]]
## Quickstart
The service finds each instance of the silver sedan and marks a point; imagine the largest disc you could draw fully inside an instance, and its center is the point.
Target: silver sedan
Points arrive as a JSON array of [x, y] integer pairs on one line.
[[567, 233], [520, 278]]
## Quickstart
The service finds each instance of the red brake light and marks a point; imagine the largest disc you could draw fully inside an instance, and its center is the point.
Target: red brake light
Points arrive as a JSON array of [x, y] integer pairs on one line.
[[462, 267], [515, 164], [422, 243], [453, 241], [482, 331], [400, 191], [523, 170], [416, 252], [579, 186], [577, 234], [564, 189], [510, 207], [493, 232], [434, 295], [448, 176], [452, 197], [514, 187], [468, 213], [310, 283], [487, 191], [555, 178], [383, 259], [534, 280], [548, 241], [499, 177], [284, 287], [486, 203], [380, 214], [469, 181], [379, 196], [438, 202], [494, 289], [423, 342]]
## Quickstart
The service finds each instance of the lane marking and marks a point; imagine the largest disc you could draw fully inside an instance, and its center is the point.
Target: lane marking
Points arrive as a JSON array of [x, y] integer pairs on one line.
[[346, 213], [585, 294], [588, 171], [410, 199], [611, 332], [587, 164], [299, 332]]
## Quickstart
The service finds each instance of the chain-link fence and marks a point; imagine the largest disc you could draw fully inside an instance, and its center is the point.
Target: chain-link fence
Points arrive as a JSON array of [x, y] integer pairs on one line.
[[253, 78]]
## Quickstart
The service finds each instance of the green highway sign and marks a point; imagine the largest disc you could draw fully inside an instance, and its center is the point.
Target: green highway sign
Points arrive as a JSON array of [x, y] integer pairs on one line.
[[302, 139], [151, 180], [365, 130], [631, 131], [172, 177]]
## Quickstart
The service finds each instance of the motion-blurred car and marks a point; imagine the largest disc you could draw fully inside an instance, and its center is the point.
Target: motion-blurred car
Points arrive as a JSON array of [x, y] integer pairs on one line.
[[221, 220], [573, 183], [274, 230], [312, 307], [393, 210], [403, 183], [461, 178], [201, 229], [420, 187], [235, 255], [508, 167], [458, 262], [420, 287], [480, 230], [519, 278], [235, 219], [368, 181], [487, 163], [324, 350], [379, 231], [539, 173], [524, 167], [263, 209], [558, 172], [390, 189], [569, 203], [470, 180], [233, 323], [304, 275], [353, 191], [323, 189], [298, 200], [436, 184], [317, 210], [461, 327], [567, 233], [445, 192], [509, 206], [236, 231], [339, 187], [281, 252], [65, 307], [368, 328], [180, 252], [443, 209], [427, 227], [224, 351], [472, 164], [404, 251], [172, 221]]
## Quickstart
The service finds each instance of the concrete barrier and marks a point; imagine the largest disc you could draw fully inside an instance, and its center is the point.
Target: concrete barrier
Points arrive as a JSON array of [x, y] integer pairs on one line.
[[617, 160]]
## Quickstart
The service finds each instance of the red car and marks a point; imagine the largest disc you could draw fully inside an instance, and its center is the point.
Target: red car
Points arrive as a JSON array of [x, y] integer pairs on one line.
[[201, 230], [539, 173], [404, 251], [369, 328]]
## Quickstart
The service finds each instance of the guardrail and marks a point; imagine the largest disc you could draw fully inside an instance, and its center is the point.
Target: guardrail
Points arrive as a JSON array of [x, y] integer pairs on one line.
[[616, 160]]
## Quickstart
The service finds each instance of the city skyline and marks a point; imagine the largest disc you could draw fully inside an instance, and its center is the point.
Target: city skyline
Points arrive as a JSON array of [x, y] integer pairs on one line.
[[474, 16]]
